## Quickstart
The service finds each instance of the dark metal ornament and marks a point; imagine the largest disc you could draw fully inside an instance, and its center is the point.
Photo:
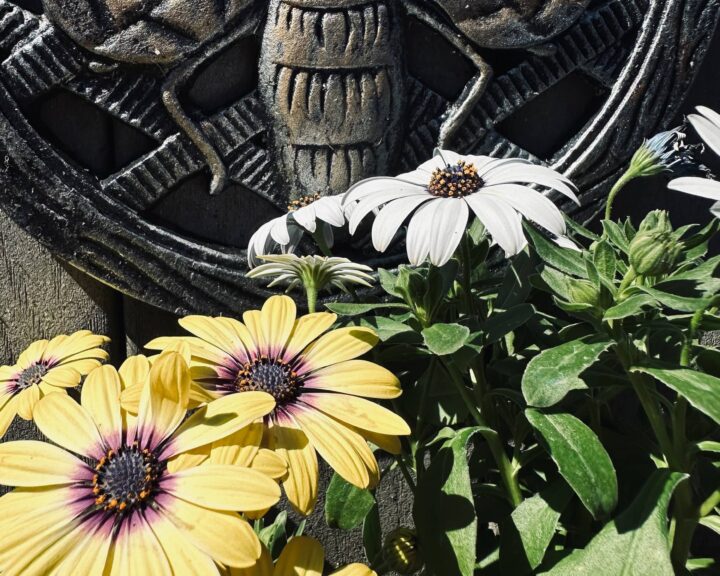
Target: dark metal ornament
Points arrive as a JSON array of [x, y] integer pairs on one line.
[[335, 104]]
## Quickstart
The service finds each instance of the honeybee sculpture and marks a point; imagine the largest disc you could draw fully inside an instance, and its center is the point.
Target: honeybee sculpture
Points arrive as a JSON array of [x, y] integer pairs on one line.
[[344, 92], [332, 72]]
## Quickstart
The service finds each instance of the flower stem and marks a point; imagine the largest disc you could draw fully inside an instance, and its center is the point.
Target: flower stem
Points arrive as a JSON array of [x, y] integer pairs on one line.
[[311, 293], [505, 467], [615, 190], [467, 273]]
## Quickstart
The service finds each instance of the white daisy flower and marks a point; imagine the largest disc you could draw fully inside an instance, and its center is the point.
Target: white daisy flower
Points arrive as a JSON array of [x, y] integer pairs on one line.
[[440, 194], [317, 272], [313, 214], [707, 125]]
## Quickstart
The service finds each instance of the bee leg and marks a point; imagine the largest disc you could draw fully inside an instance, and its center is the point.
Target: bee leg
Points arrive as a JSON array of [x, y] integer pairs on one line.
[[474, 89], [172, 85]]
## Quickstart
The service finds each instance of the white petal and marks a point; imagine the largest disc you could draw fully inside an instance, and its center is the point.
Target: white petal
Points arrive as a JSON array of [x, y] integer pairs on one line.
[[708, 130], [448, 156], [486, 163], [501, 220], [531, 204], [377, 199], [531, 174], [715, 210], [279, 230], [702, 187], [368, 186], [305, 217], [258, 243], [565, 242], [418, 236], [330, 210], [391, 218], [448, 227]]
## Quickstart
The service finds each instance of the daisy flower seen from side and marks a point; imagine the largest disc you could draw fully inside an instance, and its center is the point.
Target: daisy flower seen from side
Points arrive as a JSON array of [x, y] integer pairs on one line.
[[302, 555], [120, 509], [47, 366], [320, 386], [315, 215], [438, 198], [707, 125]]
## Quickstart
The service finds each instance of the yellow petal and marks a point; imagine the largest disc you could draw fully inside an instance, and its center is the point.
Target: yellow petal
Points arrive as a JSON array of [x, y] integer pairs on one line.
[[167, 399], [239, 448], [100, 397], [224, 536], [32, 354], [357, 377], [85, 365], [82, 343], [33, 463], [338, 346], [302, 556], [264, 567], [219, 419], [210, 330], [183, 555], [134, 371], [355, 570], [136, 550], [342, 448], [26, 401], [90, 555], [63, 377], [253, 322], [238, 332], [199, 395], [7, 415], [391, 444], [301, 484], [220, 487], [68, 424], [131, 396], [269, 463], [278, 319], [307, 328], [358, 412], [188, 459], [199, 348]]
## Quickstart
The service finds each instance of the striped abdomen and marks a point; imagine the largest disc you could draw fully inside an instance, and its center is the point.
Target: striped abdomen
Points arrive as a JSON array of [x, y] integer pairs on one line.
[[331, 79]]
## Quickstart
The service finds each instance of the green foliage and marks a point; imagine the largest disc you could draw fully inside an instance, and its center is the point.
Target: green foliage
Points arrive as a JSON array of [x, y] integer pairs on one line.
[[346, 506]]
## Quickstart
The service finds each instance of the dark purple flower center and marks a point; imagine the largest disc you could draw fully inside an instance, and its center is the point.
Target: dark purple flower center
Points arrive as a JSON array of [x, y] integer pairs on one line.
[[126, 479], [32, 376], [273, 376], [455, 181]]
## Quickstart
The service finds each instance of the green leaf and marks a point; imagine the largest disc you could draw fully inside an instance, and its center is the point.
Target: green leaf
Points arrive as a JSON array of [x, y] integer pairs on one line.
[[346, 506], [372, 535], [675, 302], [554, 372], [605, 260], [444, 339], [527, 534], [387, 328], [616, 235], [275, 536], [444, 510], [349, 309], [701, 390], [635, 543], [629, 307], [388, 281], [516, 285], [709, 446], [564, 259], [712, 522], [581, 459], [502, 323], [558, 282]]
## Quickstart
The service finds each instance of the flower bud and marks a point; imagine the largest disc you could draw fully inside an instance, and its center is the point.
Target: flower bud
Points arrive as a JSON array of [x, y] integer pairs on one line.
[[583, 292], [401, 552], [655, 247]]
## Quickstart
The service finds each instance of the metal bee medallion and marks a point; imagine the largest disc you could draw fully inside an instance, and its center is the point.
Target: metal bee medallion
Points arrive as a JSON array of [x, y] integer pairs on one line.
[[339, 97]]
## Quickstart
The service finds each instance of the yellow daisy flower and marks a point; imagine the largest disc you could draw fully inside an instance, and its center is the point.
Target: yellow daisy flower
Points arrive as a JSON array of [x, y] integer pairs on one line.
[[317, 381], [121, 510], [47, 366], [302, 556]]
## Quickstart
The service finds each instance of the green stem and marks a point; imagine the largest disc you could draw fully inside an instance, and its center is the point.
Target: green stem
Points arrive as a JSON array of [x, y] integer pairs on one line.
[[311, 293], [628, 279], [406, 472], [505, 467], [467, 273], [615, 190]]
